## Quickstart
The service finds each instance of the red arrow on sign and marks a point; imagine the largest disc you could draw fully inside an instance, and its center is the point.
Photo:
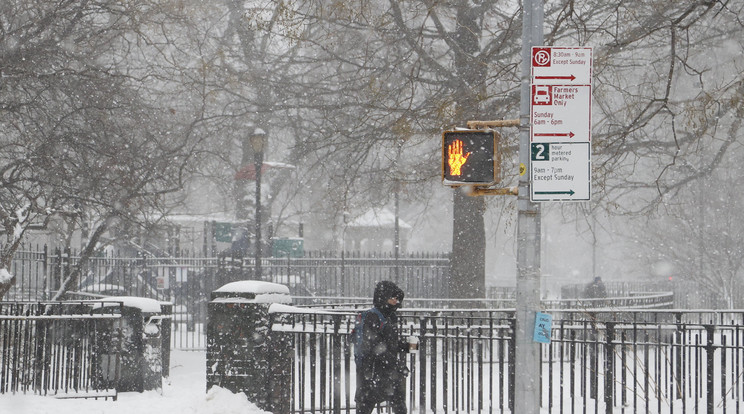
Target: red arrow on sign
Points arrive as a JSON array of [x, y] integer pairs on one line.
[[553, 134], [572, 77]]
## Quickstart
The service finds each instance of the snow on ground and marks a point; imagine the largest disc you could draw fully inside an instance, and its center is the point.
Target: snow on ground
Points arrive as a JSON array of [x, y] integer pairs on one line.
[[183, 393]]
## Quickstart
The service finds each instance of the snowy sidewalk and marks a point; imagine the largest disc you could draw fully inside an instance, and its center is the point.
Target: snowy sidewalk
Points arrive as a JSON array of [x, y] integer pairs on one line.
[[185, 394]]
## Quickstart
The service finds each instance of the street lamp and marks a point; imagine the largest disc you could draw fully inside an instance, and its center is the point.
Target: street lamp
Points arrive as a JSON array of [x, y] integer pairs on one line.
[[258, 140]]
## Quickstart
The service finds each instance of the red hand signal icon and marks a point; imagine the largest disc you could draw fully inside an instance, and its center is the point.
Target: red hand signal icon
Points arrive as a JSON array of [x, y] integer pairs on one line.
[[469, 157], [456, 158]]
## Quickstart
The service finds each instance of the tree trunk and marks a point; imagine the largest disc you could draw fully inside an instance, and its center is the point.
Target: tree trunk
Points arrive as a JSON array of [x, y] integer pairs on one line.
[[5, 285], [468, 262], [7, 252], [73, 279], [467, 275]]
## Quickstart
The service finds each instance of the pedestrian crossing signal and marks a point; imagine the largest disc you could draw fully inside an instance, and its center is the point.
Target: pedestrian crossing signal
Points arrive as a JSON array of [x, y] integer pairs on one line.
[[470, 157]]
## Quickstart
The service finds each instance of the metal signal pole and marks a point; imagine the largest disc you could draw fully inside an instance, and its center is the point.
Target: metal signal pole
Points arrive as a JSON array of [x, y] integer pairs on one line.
[[527, 351]]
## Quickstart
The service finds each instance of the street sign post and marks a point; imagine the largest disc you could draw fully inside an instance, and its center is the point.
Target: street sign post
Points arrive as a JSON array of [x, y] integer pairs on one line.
[[560, 123]]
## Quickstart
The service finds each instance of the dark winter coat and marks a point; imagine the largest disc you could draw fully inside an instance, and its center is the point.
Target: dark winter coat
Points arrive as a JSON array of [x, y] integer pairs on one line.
[[595, 289], [382, 369]]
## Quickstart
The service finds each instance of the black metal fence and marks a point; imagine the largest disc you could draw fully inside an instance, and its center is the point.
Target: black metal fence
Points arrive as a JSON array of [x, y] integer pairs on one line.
[[462, 355], [688, 294], [651, 300], [629, 361], [58, 348], [187, 281]]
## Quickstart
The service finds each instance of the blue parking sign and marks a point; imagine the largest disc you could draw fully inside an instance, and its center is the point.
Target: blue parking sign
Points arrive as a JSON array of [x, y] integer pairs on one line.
[[543, 324]]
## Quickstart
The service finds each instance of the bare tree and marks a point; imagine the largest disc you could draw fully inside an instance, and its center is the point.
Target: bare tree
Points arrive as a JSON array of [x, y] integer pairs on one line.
[[658, 96], [81, 135], [423, 67], [352, 92], [699, 238]]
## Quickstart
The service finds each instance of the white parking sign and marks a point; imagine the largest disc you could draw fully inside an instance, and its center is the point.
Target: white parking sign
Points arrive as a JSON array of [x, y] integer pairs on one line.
[[560, 124]]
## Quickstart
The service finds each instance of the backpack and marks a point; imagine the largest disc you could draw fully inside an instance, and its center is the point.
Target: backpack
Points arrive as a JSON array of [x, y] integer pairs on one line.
[[357, 334]]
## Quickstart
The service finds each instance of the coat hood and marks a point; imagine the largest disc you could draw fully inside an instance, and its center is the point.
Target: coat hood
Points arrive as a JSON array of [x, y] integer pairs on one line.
[[384, 291]]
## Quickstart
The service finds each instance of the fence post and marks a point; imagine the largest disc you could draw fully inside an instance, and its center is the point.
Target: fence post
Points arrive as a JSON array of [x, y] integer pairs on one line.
[[245, 355], [422, 365], [336, 357], [41, 343], [56, 271], [289, 270], [47, 289], [166, 333], [280, 355], [678, 377], [512, 361], [343, 271], [609, 366], [67, 262], [710, 369]]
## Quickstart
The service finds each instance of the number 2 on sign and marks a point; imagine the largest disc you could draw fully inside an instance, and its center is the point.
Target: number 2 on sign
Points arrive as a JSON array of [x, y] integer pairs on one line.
[[541, 152]]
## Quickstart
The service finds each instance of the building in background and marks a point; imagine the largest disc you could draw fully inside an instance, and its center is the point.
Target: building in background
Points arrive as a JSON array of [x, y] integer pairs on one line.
[[374, 231]]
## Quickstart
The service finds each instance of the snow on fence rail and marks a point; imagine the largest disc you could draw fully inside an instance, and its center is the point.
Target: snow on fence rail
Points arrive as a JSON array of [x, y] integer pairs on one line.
[[612, 361], [651, 300], [645, 300]]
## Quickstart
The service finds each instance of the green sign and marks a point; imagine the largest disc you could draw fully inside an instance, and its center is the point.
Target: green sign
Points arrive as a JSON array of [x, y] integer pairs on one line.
[[223, 232], [288, 248]]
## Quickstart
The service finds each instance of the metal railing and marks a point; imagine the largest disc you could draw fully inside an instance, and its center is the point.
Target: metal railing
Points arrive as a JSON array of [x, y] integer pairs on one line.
[[648, 300], [633, 361], [187, 282], [59, 348], [652, 300], [688, 294]]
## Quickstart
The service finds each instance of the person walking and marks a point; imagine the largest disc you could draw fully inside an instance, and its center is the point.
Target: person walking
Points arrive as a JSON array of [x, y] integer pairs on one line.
[[595, 289], [382, 372]]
